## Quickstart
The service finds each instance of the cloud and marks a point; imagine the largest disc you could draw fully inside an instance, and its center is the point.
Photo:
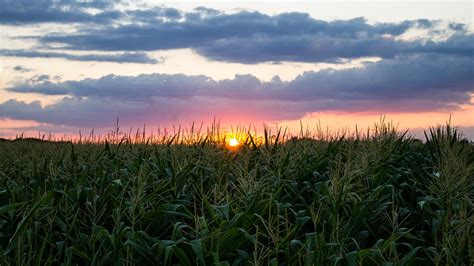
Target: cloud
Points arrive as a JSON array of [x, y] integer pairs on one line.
[[253, 37], [21, 12], [44, 128], [127, 57], [402, 84], [457, 44], [22, 69], [17, 12], [244, 37], [95, 112], [304, 48], [153, 15]]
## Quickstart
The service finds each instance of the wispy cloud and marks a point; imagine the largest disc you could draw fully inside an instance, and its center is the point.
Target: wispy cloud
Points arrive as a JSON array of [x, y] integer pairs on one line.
[[127, 57], [22, 69]]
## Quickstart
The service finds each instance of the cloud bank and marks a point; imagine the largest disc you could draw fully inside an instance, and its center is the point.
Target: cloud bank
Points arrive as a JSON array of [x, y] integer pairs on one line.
[[402, 84], [247, 37], [252, 37]]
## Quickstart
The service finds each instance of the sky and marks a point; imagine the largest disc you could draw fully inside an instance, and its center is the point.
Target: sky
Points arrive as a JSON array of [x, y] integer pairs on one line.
[[70, 66]]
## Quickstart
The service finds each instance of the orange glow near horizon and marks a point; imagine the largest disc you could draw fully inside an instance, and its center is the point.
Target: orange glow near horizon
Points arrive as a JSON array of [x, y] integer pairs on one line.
[[326, 121], [233, 142]]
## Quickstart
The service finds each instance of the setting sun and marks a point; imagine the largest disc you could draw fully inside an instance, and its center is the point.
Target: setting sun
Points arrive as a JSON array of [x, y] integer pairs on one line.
[[298, 132], [233, 142]]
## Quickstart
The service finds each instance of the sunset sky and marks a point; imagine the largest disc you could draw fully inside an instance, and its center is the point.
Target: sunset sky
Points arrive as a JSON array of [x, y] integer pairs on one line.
[[67, 66]]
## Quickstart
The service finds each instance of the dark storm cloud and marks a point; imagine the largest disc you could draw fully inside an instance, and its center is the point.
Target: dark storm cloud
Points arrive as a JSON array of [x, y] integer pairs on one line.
[[402, 84], [127, 57]]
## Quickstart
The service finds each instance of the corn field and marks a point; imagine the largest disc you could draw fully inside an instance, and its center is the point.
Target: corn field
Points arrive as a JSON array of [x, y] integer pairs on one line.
[[377, 198]]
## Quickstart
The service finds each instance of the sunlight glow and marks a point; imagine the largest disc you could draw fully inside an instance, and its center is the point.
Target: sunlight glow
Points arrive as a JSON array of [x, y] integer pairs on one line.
[[233, 142]]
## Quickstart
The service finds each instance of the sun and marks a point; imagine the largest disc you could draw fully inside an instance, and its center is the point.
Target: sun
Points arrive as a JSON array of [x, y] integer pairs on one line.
[[233, 142]]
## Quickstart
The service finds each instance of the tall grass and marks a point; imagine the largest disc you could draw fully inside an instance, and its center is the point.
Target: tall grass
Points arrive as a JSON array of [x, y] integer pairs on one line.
[[183, 197]]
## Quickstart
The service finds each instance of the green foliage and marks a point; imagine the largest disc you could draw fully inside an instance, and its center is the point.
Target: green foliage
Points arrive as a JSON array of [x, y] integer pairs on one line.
[[382, 198]]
